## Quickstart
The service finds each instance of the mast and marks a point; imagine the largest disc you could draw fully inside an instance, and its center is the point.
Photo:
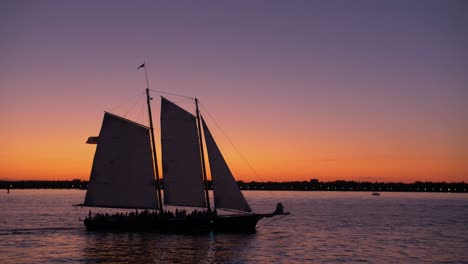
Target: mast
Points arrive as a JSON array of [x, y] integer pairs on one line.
[[158, 182], [202, 157]]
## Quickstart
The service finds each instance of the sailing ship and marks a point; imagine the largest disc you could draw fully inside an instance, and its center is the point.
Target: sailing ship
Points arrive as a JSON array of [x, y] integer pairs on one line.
[[124, 169]]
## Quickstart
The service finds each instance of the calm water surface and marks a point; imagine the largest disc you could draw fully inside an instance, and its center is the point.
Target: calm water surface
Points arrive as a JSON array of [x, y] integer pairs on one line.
[[41, 226]]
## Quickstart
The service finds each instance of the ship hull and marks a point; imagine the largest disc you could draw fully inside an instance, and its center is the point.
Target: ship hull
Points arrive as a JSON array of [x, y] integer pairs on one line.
[[218, 224]]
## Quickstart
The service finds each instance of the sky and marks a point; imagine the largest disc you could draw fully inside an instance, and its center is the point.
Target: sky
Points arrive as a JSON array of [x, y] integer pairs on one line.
[[328, 90]]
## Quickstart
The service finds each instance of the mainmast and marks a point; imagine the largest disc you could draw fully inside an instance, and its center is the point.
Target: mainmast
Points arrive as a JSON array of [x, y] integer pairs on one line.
[[148, 100], [202, 157]]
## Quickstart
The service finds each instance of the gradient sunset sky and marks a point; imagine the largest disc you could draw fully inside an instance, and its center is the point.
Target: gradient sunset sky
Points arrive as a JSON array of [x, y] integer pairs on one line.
[[353, 90]]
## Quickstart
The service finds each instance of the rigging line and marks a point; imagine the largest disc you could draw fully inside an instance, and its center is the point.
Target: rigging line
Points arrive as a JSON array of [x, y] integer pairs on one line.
[[133, 106], [271, 221], [232, 144], [120, 105], [173, 94], [237, 150], [141, 114]]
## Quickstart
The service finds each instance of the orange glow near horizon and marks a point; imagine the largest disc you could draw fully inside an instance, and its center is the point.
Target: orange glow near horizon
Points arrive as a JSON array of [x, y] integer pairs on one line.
[[364, 92], [60, 153]]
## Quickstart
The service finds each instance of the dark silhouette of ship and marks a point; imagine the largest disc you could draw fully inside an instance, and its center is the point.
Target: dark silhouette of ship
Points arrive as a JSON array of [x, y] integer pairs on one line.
[[124, 169]]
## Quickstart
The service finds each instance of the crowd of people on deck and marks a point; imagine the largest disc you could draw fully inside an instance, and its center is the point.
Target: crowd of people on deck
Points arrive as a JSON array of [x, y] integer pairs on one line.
[[154, 214]]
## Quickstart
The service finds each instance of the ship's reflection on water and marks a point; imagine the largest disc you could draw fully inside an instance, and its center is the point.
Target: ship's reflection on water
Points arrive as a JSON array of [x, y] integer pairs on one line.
[[166, 248]]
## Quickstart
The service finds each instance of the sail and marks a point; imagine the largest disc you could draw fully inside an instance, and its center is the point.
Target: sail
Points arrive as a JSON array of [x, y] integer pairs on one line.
[[183, 181], [122, 175], [226, 192]]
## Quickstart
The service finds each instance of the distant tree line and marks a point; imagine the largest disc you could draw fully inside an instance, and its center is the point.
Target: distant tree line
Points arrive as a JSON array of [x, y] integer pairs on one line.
[[312, 185], [316, 185], [74, 184]]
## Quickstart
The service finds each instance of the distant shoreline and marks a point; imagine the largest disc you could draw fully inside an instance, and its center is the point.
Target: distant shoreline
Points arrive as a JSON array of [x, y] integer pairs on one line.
[[312, 185]]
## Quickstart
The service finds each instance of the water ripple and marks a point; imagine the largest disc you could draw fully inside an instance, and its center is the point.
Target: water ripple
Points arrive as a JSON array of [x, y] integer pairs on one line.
[[325, 227]]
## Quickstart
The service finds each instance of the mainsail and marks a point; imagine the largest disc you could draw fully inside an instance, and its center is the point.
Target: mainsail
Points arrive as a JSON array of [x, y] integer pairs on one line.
[[122, 175], [226, 192], [183, 181]]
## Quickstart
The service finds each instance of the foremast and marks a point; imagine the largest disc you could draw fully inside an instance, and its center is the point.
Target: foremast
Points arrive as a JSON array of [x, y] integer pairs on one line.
[[155, 158]]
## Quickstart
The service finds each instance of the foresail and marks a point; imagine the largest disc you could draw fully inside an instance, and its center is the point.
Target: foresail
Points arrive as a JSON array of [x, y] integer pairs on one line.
[[183, 181], [122, 175], [226, 192]]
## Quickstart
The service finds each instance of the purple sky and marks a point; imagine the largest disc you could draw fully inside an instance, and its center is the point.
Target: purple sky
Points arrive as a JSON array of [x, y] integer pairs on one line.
[[348, 72]]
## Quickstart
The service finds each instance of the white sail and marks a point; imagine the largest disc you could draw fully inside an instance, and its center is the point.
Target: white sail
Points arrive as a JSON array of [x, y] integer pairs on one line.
[[183, 180], [122, 175], [226, 192]]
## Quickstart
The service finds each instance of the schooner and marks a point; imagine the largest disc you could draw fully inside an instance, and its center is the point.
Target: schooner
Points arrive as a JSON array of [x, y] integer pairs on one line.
[[125, 174]]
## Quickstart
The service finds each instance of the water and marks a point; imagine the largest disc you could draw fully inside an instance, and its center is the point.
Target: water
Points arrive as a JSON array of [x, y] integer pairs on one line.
[[41, 226]]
